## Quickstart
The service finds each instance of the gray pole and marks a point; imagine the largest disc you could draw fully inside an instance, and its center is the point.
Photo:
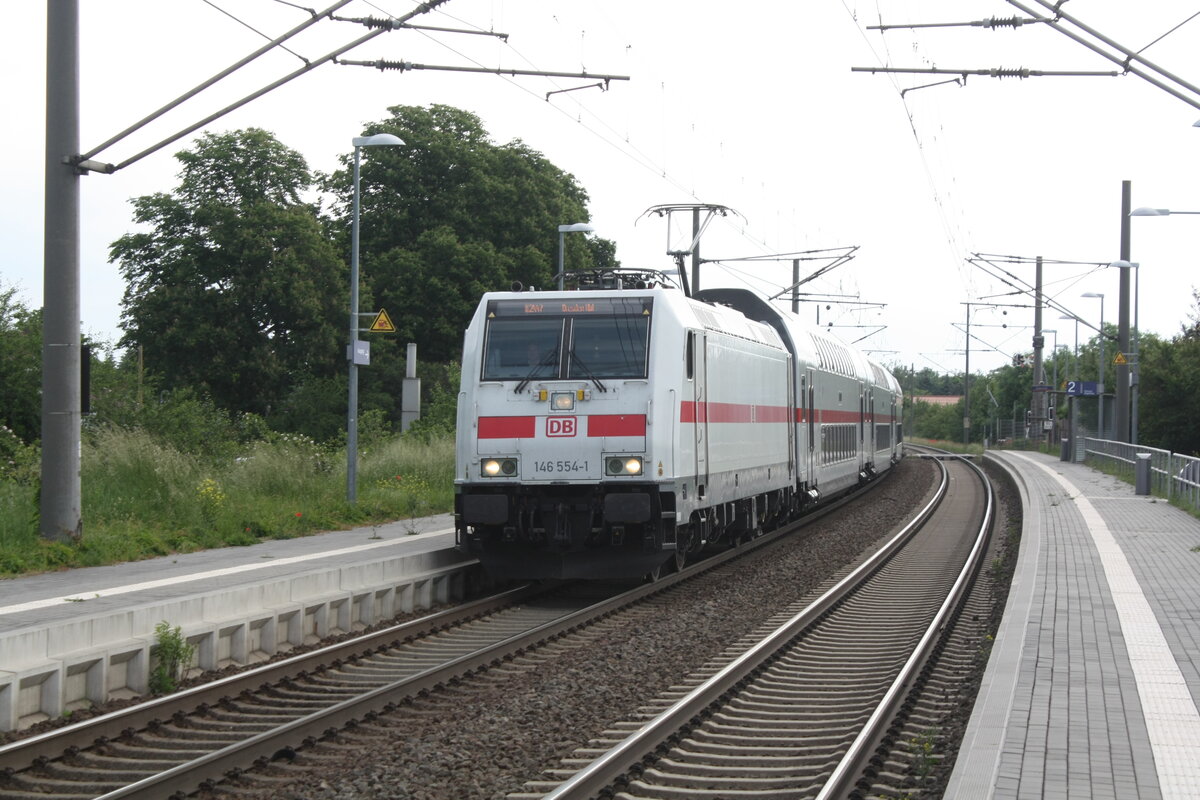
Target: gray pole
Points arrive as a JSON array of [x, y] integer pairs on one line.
[[1073, 400], [1039, 374], [795, 286], [61, 517], [1121, 379], [352, 407], [1134, 362], [967, 384], [695, 250], [1101, 387], [561, 277]]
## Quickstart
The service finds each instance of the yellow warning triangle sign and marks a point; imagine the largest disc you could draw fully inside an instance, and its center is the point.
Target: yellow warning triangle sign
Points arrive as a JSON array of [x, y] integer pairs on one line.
[[1120, 359], [382, 323]]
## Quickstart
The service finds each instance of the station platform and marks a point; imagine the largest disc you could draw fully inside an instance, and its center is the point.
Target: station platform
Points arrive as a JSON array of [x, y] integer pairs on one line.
[[73, 638], [1093, 683]]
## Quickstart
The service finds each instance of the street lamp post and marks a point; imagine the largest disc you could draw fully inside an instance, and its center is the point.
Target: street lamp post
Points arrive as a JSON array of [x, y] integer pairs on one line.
[[1054, 372], [1100, 364], [351, 351], [1125, 267], [574, 227]]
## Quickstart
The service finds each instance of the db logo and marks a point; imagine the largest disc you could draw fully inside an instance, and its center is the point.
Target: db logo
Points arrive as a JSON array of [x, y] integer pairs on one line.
[[560, 426]]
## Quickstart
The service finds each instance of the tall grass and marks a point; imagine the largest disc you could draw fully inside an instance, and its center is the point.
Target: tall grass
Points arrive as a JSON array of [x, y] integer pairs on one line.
[[142, 498]]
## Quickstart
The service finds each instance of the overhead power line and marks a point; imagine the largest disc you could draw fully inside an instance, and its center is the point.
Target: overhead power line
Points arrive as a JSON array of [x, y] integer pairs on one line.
[[1130, 61]]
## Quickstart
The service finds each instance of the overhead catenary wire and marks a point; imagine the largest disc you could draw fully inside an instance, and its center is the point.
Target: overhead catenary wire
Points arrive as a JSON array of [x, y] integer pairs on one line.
[[201, 87], [253, 29], [1130, 55]]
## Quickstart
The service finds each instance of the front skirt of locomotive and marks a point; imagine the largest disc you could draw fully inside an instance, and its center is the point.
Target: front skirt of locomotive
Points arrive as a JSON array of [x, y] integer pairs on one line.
[[566, 531]]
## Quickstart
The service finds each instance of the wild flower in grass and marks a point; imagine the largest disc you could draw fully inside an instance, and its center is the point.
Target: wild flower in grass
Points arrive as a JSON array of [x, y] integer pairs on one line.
[[394, 482], [211, 498]]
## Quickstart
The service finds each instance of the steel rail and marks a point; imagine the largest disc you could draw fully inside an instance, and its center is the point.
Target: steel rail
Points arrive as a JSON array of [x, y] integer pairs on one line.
[[616, 762], [215, 766], [17, 754], [850, 768]]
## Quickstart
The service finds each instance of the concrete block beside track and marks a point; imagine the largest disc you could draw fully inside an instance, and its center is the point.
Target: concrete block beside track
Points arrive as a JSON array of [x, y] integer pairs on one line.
[[72, 663]]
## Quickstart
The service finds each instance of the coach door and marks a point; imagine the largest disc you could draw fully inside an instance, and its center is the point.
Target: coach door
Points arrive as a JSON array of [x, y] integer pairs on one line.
[[872, 428], [697, 373], [809, 454], [863, 437]]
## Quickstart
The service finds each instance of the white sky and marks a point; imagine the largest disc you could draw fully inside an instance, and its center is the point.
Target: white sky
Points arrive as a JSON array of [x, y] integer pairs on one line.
[[751, 105]]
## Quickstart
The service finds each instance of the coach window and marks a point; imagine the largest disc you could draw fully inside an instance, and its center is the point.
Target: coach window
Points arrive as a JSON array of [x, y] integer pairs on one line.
[[689, 355]]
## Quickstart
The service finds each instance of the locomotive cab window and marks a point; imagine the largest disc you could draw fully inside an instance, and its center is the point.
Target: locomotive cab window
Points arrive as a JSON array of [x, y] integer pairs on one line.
[[605, 338], [519, 348], [608, 347]]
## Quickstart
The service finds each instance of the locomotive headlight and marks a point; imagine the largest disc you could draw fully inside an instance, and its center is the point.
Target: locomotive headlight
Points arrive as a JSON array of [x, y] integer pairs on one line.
[[493, 467], [562, 401], [622, 465]]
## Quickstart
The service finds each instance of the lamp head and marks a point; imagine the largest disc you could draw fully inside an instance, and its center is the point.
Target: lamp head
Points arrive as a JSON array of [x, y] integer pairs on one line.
[[377, 139], [576, 227], [1123, 264], [1093, 294], [1144, 211]]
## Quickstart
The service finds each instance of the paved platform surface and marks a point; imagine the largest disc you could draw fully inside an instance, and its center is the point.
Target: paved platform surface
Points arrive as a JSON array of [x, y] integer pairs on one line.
[[1093, 684], [38, 600]]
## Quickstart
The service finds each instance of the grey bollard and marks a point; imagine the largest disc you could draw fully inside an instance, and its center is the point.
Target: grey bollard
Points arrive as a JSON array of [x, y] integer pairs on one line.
[[1141, 474]]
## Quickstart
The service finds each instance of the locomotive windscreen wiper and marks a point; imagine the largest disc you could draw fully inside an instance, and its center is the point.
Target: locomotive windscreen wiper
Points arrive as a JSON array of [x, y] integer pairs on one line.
[[587, 373], [550, 358]]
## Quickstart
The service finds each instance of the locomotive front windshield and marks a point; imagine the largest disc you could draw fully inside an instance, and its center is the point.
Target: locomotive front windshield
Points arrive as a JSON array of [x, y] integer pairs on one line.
[[602, 338]]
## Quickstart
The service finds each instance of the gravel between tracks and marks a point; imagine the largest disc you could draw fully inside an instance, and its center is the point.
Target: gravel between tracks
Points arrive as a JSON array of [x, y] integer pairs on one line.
[[506, 730]]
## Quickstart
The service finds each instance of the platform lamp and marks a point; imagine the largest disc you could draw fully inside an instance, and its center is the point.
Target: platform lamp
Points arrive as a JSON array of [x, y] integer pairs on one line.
[[574, 227], [359, 142], [1133, 355], [1100, 364]]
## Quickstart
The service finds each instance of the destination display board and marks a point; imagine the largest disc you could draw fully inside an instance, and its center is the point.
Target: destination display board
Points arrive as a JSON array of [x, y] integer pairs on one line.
[[582, 306]]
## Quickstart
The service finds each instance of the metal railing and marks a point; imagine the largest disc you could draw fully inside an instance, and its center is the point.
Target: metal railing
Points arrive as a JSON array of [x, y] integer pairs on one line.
[[1172, 475]]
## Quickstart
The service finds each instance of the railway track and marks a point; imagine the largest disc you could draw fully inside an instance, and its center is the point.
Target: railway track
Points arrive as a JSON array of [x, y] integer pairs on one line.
[[806, 704], [181, 743]]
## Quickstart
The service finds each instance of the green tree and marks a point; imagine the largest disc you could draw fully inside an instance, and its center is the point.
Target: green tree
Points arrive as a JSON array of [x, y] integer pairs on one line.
[[933, 421], [450, 215], [234, 291], [1169, 378], [20, 366]]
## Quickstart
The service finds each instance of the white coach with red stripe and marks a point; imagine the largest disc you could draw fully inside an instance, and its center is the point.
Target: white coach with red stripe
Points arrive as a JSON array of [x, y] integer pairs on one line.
[[601, 433]]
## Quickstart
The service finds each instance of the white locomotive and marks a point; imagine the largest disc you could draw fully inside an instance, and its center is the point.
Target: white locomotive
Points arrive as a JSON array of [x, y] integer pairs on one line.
[[605, 433]]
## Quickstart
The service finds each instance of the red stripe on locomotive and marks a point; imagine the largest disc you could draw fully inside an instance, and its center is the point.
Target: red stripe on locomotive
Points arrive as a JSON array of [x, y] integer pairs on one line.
[[616, 425], [507, 427]]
